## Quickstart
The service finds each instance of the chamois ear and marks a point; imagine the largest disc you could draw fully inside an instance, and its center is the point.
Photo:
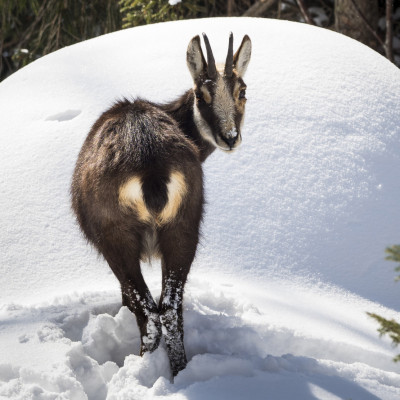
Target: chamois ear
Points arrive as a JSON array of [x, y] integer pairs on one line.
[[242, 57], [195, 59]]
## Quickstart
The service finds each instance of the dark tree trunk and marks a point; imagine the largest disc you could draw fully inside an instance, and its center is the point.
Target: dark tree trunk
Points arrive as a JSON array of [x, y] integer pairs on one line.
[[359, 20]]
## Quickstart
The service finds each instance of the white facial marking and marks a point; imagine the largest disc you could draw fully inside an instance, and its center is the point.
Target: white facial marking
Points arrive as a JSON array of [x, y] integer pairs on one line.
[[203, 127]]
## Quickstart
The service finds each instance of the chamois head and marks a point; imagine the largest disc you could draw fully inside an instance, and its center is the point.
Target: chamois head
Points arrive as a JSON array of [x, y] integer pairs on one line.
[[220, 95]]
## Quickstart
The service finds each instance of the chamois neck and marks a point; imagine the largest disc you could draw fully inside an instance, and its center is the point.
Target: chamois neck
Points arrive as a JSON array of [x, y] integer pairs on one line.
[[181, 110]]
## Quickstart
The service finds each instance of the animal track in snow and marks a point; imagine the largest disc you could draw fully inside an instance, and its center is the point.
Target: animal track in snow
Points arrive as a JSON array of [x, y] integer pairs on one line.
[[230, 343], [64, 115]]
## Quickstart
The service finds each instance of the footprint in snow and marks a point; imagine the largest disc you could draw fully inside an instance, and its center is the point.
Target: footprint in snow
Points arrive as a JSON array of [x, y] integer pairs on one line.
[[64, 115]]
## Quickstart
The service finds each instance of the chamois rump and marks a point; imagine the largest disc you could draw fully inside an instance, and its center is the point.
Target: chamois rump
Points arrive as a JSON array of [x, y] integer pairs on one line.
[[137, 188]]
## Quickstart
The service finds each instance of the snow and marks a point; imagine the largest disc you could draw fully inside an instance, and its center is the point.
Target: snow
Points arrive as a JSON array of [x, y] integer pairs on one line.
[[296, 223]]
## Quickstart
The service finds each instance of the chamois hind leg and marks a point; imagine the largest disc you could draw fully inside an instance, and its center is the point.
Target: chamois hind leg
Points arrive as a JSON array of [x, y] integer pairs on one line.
[[177, 256], [137, 297], [125, 263]]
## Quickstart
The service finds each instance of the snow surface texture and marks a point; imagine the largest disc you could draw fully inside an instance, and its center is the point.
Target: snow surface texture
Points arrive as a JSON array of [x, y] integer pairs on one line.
[[296, 224]]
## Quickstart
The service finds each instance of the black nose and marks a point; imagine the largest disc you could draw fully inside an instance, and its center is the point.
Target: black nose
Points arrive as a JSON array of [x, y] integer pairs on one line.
[[230, 141]]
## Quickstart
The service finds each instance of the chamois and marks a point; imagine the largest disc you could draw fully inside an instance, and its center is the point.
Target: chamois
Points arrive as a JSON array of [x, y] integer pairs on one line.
[[137, 188]]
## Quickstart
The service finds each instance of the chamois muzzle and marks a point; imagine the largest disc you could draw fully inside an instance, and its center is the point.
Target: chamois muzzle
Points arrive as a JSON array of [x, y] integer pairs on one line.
[[230, 142], [232, 139]]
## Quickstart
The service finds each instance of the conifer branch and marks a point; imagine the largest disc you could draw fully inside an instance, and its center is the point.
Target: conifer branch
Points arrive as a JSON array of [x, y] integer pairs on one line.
[[390, 327]]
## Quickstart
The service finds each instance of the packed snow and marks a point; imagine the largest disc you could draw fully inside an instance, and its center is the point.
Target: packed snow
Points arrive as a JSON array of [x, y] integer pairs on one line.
[[296, 223]]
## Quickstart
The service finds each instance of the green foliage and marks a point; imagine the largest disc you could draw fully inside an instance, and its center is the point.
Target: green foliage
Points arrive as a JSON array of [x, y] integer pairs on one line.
[[394, 255], [140, 12], [390, 327], [32, 28]]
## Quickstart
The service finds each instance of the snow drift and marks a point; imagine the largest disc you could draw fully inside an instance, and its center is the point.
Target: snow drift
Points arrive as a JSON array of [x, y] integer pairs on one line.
[[294, 234]]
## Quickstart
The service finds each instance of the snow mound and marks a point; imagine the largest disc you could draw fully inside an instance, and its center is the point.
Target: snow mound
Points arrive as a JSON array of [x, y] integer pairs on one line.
[[312, 192]]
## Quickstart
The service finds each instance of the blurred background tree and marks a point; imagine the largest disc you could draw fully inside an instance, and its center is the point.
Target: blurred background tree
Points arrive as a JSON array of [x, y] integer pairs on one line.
[[136, 12], [32, 28]]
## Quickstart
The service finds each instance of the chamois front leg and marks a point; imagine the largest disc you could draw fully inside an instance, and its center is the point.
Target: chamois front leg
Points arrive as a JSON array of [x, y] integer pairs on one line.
[[171, 314]]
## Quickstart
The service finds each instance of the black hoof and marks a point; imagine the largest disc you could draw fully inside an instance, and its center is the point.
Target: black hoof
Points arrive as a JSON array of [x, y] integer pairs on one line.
[[178, 367]]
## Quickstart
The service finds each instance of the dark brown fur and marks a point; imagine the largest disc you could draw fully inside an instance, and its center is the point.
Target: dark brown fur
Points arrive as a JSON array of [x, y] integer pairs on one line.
[[138, 138], [147, 141]]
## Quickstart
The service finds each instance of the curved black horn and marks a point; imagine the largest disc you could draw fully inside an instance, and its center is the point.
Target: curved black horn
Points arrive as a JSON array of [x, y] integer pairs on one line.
[[212, 70], [229, 57]]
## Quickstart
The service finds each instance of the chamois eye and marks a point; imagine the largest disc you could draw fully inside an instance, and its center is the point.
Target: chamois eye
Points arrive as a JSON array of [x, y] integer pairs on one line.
[[198, 95], [242, 94]]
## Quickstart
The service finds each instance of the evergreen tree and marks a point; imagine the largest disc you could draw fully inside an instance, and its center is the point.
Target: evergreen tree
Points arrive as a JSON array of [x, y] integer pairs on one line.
[[390, 327]]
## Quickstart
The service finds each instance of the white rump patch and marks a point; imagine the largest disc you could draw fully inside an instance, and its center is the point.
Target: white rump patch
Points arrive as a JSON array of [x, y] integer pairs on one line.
[[131, 195], [176, 191]]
